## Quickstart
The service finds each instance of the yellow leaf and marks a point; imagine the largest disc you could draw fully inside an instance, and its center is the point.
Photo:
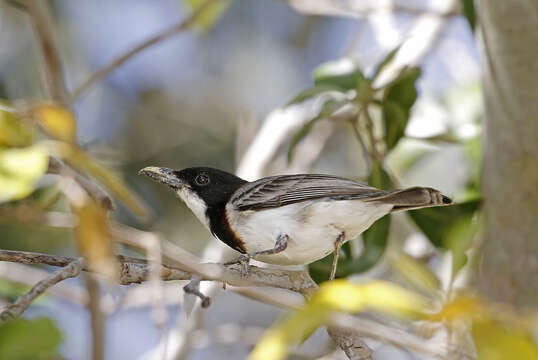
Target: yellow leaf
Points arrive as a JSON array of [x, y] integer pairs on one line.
[[211, 14], [338, 295], [496, 341], [19, 170], [13, 132], [82, 162], [58, 121], [94, 239], [461, 307]]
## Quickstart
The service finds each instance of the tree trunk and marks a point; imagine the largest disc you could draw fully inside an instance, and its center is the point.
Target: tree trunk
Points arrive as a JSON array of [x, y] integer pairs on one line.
[[508, 270]]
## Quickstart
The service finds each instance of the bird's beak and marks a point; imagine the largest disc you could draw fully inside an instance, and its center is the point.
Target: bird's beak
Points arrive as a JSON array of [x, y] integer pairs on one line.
[[163, 175]]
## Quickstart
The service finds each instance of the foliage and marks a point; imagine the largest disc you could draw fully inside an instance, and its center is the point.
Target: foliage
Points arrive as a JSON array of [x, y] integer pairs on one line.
[[23, 339], [341, 83], [338, 295]]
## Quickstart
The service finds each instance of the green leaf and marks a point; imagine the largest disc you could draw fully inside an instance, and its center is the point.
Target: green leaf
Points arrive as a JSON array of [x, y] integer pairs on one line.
[[375, 240], [379, 178], [336, 73], [436, 222], [395, 119], [23, 339], [459, 238], [399, 97], [312, 92], [20, 168], [327, 110], [385, 62], [402, 89], [211, 14], [470, 12]]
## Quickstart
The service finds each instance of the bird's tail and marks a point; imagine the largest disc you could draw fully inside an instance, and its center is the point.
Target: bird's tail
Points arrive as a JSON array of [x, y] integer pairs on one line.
[[414, 198]]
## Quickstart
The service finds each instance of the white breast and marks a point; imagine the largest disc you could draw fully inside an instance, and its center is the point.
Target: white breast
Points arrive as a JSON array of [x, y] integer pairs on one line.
[[312, 227], [195, 203]]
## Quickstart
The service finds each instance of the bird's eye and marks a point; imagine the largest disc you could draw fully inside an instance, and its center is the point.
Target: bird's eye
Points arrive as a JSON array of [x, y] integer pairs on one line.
[[202, 180]]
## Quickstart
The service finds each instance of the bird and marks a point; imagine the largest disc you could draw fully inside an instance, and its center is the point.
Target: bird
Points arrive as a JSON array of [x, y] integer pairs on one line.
[[287, 219]]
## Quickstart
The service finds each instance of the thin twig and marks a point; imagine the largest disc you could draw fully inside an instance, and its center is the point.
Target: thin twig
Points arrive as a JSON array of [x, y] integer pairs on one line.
[[97, 317], [103, 72], [365, 154], [40, 18], [389, 335], [23, 302], [369, 125]]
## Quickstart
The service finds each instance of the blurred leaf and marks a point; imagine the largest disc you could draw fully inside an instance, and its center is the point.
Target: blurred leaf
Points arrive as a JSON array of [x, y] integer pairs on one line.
[[58, 121], [395, 119], [459, 238], [312, 92], [375, 240], [416, 273], [498, 335], [94, 239], [379, 178], [470, 12], [211, 15], [495, 341], [338, 295], [13, 132], [20, 168], [82, 162], [462, 306], [327, 110], [402, 89], [339, 73], [435, 222], [399, 97], [22, 339], [385, 62]]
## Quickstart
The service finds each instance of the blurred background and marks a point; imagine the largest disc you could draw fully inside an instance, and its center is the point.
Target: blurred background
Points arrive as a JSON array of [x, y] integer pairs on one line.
[[200, 97]]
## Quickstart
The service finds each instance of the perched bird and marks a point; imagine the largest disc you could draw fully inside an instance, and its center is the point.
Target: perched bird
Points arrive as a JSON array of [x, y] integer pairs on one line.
[[287, 219]]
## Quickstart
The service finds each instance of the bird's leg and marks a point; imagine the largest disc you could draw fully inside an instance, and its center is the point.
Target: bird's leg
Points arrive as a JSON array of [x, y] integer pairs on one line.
[[280, 245], [337, 245]]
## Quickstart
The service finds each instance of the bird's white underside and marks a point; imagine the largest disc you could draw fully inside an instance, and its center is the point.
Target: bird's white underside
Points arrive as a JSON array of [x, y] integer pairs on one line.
[[312, 226]]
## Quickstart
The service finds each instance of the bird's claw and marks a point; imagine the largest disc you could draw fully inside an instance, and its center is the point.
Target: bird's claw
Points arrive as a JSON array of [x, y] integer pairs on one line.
[[244, 261]]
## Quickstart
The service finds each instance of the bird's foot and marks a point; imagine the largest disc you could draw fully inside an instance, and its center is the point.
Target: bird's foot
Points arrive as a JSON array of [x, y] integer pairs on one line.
[[244, 261]]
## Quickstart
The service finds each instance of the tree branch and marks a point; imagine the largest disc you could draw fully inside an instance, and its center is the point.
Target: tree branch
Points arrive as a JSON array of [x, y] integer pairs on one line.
[[52, 70], [72, 269], [103, 72], [135, 270]]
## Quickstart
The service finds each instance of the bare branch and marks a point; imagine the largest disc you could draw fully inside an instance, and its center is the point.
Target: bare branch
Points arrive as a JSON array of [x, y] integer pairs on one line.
[[103, 72], [133, 271], [16, 309], [97, 317], [52, 70]]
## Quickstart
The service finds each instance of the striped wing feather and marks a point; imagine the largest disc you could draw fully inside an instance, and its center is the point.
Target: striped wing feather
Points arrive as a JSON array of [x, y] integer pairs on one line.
[[283, 190]]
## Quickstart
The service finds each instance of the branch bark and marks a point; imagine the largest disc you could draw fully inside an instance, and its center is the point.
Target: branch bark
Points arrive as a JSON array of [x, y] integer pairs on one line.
[[71, 269], [509, 266]]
